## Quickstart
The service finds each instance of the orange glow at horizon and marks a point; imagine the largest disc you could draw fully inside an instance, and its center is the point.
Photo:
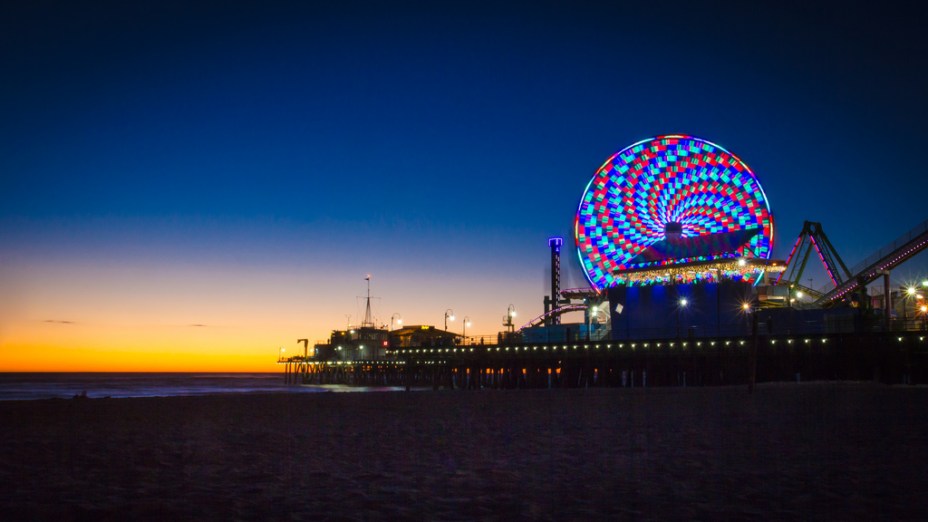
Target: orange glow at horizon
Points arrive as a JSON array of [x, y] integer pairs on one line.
[[51, 347], [148, 317]]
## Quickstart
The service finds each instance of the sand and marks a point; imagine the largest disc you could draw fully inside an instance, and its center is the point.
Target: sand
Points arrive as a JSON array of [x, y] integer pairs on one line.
[[799, 451]]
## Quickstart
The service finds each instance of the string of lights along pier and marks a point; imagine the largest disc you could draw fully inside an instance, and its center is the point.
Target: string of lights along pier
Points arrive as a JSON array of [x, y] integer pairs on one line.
[[673, 209]]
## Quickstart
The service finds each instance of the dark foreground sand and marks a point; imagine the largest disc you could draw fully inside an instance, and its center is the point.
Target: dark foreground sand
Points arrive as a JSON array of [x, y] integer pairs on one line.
[[809, 451]]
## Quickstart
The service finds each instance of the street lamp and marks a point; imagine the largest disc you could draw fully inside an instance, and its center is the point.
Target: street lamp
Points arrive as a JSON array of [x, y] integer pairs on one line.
[[466, 324], [280, 353], [681, 306], [746, 309], [910, 292], [589, 322], [510, 313], [449, 314], [924, 310], [399, 320]]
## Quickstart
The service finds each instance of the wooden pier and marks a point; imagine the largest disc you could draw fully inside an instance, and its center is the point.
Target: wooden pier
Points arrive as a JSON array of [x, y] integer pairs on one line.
[[894, 358]]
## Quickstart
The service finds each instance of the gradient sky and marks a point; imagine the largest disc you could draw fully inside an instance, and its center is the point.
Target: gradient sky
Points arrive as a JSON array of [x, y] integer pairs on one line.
[[192, 188]]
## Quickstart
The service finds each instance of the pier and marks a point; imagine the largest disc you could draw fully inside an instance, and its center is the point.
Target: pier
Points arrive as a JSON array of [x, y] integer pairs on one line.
[[892, 358]]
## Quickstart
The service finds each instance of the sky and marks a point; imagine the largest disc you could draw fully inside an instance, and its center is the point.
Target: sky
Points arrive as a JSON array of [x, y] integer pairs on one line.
[[193, 186]]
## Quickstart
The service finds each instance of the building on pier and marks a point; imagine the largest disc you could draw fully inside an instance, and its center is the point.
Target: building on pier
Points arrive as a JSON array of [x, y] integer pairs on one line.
[[423, 336], [363, 342], [373, 344]]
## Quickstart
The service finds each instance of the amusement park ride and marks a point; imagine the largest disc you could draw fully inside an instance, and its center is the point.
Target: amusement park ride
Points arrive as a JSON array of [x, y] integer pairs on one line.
[[667, 212], [844, 280]]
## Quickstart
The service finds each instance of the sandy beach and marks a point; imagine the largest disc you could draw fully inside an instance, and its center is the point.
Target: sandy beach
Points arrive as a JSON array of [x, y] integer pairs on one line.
[[798, 451]]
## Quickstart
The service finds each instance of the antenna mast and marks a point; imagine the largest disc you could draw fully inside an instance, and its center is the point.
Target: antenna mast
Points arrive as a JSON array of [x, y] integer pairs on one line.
[[368, 321]]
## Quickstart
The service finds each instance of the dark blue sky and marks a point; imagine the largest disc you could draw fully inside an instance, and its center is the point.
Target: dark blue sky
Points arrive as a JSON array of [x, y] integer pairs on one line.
[[450, 137]]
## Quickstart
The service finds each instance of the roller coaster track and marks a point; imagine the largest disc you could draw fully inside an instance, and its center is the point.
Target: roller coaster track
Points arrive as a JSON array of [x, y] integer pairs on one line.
[[557, 311], [886, 258]]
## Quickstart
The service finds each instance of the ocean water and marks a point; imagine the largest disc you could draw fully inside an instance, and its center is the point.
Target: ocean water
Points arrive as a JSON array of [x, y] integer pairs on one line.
[[28, 386]]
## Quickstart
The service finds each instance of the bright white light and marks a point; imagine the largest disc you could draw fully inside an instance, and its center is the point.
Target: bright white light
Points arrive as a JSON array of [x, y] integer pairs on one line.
[[741, 261], [799, 294], [683, 302], [910, 290]]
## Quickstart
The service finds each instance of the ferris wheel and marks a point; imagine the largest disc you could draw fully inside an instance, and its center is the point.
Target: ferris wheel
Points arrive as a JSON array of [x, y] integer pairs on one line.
[[672, 206]]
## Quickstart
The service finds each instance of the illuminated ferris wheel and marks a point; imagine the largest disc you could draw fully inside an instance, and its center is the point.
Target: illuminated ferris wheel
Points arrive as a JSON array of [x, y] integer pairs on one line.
[[673, 209]]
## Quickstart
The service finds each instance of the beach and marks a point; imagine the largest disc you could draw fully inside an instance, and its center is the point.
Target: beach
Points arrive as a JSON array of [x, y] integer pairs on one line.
[[820, 451]]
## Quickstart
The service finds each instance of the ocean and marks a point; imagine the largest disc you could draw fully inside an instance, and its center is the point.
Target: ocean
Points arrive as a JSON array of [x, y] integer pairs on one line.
[[32, 386]]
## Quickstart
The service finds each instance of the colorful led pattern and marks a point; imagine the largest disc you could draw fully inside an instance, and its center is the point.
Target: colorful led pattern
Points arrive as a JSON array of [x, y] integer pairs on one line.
[[670, 201]]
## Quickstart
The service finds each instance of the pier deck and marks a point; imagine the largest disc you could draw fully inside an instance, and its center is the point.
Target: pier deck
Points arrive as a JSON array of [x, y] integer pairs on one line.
[[900, 357]]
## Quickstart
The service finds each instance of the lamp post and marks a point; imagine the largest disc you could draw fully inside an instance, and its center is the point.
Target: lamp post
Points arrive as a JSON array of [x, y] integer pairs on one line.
[[681, 305], [746, 310], [589, 322], [399, 320], [924, 310], [752, 359], [510, 313], [280, 353], [909, 294], [464, 333], [449, 314]]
